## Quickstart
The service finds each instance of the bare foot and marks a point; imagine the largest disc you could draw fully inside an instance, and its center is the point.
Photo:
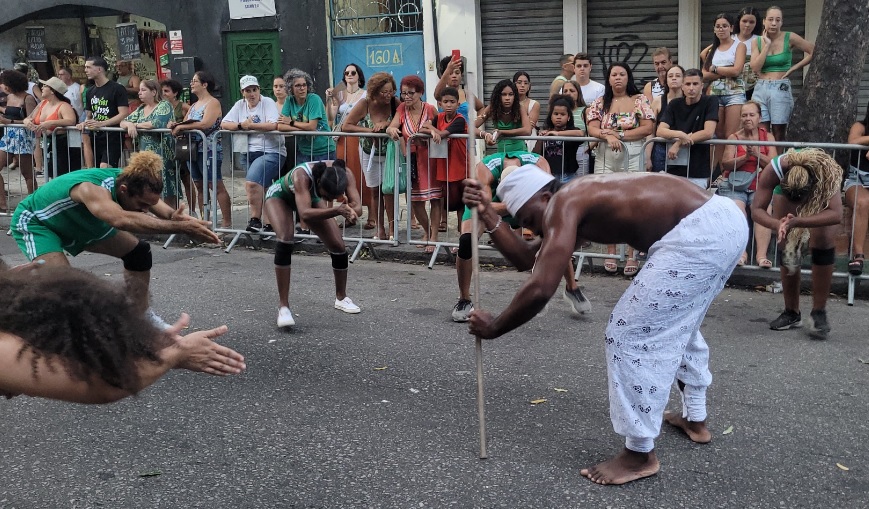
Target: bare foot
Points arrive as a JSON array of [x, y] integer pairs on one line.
[[627, 466], [696, 431]]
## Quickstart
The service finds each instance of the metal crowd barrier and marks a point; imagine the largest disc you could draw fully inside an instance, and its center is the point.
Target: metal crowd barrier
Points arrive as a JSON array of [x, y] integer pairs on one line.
[[752, 248], [351, 234]]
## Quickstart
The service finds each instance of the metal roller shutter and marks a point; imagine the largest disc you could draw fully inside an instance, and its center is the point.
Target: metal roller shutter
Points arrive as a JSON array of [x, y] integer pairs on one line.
[[521, 36], [793, 14], [631, 32]]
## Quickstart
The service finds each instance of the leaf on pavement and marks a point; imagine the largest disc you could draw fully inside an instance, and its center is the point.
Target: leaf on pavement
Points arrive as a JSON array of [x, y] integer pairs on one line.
[[560, 390], [380, 369], [152, 473], [842, 467], [728, 431], [538, 401]]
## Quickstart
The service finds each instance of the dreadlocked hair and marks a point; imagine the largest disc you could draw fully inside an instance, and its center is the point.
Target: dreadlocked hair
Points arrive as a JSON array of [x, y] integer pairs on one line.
[[73, 319], [145, 171], [815, 173]]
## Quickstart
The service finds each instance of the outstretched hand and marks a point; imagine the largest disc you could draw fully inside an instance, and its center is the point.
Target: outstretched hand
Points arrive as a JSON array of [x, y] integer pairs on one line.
[[196, 228], [197, 351], [480, 323]]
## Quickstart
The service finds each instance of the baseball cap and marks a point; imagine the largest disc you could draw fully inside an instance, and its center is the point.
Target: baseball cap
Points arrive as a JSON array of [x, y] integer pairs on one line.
[[249, 81]]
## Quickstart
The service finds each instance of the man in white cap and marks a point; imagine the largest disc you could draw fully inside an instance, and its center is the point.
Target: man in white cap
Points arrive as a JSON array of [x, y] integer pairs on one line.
[[264, 153], [653, 335]]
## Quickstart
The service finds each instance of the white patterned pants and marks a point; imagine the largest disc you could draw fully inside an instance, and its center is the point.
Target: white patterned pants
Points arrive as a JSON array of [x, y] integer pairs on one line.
[[653, 335]]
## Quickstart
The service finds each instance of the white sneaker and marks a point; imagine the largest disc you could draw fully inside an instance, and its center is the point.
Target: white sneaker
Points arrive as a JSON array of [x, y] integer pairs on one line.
[[578, 302], [156, 321], [285, 317], [346, 305]]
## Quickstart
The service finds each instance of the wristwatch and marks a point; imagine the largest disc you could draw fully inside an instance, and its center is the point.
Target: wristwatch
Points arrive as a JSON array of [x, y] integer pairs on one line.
[[293, 122]]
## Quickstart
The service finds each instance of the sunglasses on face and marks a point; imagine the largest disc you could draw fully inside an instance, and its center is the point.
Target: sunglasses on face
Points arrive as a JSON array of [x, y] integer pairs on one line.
[[349, 73]]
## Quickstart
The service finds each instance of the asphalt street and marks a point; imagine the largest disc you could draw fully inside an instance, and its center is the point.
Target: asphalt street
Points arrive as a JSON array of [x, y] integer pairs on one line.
[[378, 409]]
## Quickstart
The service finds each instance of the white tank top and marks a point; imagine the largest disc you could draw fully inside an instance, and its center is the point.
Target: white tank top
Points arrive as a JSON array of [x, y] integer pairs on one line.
[[748, 44], [725, 58]]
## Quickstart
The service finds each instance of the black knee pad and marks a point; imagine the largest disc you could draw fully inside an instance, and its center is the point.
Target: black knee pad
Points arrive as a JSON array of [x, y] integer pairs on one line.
[[284, 254], [823, 256], [465, 248], [139, 259], [340, 261]]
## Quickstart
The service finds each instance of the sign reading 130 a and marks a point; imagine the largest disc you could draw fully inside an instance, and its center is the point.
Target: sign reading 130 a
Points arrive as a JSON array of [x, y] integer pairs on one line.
[[384, 55]]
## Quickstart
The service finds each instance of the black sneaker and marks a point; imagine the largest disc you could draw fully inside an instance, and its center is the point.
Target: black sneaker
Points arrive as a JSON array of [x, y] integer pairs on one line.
[[268, 228], [462, 311], [254, 225], [578, 303], [819, 328], [787, 320]]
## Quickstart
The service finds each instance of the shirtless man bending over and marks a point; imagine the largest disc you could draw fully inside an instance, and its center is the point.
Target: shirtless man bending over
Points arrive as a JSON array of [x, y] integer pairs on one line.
[[653, 335]]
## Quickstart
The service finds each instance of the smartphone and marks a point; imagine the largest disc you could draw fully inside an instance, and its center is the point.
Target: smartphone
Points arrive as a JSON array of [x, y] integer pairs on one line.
[[457, 55]]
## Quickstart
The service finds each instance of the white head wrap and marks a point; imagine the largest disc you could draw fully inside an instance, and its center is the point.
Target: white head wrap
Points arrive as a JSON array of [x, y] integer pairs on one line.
[[520, 185]]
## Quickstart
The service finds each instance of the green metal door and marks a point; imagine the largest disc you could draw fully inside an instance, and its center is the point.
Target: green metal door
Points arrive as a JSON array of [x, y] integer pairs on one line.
[[254, 53]]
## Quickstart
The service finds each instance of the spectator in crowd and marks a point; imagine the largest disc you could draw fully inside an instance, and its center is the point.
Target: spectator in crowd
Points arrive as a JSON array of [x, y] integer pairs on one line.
[[409, 118], [339, 101], [741, 167], [488, 173], [589, 88], [622, 119], [305, 111], [749, 28], [584, 159], [90, 346], [16, 141], [32, 87], [373, 113], [96, 210], [130, 81], [566, 62], [279, 90], [522, 80], [772, 60], [73, 91], [856, 193], [266, 154], [452, 75], [808, 210], [662, 61], [55, 111], [154, 113], [723, 65], [205, 115], [304, 192], [562, 156], [689, 120], [171, 91], [453, 169], [507, 116], [106, 105], [656, 153]]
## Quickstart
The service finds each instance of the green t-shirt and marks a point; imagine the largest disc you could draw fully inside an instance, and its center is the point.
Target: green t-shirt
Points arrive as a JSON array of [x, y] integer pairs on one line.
[[72, 222], [313, 146]]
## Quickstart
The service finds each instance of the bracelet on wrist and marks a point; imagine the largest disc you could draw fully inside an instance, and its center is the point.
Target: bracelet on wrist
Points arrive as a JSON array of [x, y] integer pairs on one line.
[[492, 230]]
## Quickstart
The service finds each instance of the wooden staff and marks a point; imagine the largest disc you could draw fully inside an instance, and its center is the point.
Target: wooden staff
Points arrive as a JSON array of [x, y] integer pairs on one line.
[[475, 257]]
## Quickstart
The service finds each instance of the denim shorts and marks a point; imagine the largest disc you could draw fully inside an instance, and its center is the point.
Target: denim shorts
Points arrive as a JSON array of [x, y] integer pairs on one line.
[[776, 100], [854, 179], [264, 167], [725, 188], [196, 166], [731, 100]]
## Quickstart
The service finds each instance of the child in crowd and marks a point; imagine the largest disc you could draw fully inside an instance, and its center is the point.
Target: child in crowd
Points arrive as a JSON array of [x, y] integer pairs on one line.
[[454, 169], [508, 117], [563, 156]]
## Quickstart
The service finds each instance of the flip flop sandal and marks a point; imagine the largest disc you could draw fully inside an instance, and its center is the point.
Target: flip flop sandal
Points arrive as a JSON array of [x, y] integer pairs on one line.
[[855, 266], [610, 266], [742, 260], [631, 267], [764, 263]]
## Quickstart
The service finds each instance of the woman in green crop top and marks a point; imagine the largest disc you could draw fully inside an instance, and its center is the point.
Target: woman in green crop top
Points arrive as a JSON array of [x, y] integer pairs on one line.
[[772, 60]]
